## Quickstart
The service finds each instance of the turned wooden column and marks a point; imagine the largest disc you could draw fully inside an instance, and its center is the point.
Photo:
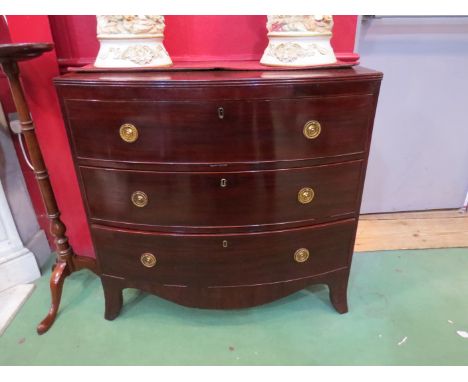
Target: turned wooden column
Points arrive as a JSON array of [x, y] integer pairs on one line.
[[10, 54]]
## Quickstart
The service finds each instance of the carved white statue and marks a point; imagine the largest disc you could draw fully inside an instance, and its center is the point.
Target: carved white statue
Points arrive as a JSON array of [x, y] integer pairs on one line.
[[131, 41], [299, 41]]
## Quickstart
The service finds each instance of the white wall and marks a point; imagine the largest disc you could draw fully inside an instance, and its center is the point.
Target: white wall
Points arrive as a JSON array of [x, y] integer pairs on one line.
[[419, 151]]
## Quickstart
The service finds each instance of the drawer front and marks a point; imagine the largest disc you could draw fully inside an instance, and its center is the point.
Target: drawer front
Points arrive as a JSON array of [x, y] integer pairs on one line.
[[219, 131], [224, 260], [228, 199]]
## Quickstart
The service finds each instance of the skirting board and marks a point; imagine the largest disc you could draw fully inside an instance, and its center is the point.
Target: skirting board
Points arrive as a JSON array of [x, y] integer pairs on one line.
[[11, 301], [18, 268], [412, 230]]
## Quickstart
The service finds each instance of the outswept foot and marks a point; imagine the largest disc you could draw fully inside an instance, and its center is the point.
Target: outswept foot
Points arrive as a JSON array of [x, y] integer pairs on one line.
[[338, 287], [60, 272], [113, 296]]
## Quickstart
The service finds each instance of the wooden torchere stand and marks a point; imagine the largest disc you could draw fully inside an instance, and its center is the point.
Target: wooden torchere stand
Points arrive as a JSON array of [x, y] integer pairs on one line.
[[66, 262]]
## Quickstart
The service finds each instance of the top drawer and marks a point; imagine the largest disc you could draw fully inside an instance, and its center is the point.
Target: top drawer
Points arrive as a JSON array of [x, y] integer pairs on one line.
[[224, 131]]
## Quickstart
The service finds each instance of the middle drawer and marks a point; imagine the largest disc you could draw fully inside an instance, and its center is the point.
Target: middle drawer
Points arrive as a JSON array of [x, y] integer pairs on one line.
[[224, 199]]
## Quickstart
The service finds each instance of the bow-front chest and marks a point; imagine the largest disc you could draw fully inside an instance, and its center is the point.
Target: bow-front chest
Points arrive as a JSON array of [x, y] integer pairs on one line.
[[221, 189]]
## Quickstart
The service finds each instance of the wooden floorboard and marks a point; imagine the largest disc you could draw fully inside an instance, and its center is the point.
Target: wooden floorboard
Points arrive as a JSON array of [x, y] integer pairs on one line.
[[412, 230]]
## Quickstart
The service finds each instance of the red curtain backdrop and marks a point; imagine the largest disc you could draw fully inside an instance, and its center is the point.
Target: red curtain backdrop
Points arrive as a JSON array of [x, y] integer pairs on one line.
[[199, 38], [192, 38]]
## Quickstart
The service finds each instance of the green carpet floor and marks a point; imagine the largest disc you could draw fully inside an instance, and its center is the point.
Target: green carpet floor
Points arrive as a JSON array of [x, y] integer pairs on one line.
[[405, 309]]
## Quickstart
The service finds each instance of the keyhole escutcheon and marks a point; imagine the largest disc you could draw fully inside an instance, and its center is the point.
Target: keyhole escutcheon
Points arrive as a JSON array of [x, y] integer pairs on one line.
[[220, 112]]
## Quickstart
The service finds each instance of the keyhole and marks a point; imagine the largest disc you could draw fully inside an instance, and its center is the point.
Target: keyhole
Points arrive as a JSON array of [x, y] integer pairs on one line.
[[225, 243], [220, 112], [223, 182]]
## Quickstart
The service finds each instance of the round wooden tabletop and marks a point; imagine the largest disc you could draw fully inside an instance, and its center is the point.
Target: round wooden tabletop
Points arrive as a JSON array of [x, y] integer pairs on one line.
[[23, 51]]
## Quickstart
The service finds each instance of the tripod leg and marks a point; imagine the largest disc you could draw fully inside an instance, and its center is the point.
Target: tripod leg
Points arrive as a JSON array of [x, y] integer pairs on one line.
[[61, 271]]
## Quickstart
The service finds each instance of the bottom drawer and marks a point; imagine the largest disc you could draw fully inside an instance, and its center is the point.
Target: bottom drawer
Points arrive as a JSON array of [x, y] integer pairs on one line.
[[224, 260]]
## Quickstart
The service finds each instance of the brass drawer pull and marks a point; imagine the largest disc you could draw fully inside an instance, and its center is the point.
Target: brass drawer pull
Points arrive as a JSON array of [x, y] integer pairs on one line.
[[312, 129], [139, 199], [301, 255], [128, 132], [305, 195], [148, 260], [220, 112]]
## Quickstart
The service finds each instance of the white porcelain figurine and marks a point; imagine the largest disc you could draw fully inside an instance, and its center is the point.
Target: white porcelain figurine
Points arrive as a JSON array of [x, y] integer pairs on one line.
[[131, 41], [299, 41]]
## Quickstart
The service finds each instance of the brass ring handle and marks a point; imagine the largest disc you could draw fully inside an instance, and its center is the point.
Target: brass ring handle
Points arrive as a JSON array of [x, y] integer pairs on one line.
[[139, 199], [301, 255], [148, 260], [305, 195], [312, 129], [128, 132]]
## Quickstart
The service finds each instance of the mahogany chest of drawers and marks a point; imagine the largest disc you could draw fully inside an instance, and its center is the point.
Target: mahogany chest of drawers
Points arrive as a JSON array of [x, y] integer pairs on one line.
[[221, 189]]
